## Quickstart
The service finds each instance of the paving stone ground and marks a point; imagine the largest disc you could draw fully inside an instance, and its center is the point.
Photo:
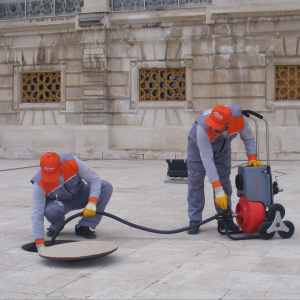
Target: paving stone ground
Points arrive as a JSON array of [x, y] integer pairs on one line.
[[147, 265]]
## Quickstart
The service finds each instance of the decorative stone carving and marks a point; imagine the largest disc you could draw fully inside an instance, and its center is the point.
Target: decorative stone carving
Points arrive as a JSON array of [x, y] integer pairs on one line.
[[162, 84], [20, 9], [12, 10], [124, 5]]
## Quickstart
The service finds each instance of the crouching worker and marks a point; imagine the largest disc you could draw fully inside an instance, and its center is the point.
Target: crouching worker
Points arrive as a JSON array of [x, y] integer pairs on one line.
[[64, 183], [209, 152]]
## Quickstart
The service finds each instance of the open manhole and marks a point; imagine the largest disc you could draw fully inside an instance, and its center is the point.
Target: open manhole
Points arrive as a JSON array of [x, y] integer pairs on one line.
[[31, 247], [73, 250]]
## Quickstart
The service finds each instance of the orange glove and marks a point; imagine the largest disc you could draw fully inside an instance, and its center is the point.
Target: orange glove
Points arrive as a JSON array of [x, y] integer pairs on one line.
[[90, 209]]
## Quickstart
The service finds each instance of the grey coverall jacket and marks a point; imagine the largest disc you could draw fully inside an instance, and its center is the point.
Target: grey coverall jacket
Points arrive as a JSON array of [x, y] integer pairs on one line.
[[210, 154], [72, 191]]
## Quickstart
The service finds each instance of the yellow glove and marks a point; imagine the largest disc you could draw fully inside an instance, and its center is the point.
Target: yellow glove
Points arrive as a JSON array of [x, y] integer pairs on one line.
[[254, 163], [220, 198], [89, 210]]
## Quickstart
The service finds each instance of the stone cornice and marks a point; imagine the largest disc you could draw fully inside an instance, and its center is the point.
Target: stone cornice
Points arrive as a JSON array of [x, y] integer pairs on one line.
[[140, 18], [63, 23], [242, 13]]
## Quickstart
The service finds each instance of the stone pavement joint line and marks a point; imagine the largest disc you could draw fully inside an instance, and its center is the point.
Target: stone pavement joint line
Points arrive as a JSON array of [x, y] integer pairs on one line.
[[148, 265]]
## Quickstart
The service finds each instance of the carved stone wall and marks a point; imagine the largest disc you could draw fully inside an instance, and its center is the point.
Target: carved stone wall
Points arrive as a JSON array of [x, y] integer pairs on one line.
[[229, 56]]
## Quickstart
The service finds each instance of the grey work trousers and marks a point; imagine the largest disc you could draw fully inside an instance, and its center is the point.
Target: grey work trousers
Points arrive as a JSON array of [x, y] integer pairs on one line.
[[55, 211], [196, 196]]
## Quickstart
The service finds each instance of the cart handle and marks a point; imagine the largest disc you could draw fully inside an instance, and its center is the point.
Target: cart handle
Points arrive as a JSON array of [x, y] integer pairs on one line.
[[247, 113]]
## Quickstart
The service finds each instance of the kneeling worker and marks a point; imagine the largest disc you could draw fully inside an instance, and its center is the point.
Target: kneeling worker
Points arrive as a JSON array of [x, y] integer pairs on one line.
[[209, 152], [64, 183]]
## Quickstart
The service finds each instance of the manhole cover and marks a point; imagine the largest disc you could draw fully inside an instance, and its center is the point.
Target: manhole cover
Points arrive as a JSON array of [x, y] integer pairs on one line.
[[78, 250], [73, 250]]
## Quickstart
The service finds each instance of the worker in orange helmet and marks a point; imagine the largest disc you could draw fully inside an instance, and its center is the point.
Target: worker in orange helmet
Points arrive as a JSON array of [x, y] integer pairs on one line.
[[65, 183], [209, 153]]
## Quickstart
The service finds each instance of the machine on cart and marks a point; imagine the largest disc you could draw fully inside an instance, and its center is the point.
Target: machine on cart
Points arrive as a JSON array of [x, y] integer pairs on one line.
[[256, 210]]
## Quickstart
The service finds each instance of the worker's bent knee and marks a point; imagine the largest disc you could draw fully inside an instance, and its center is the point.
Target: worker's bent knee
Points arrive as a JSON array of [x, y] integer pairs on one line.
[[53, 211], [107, 187]]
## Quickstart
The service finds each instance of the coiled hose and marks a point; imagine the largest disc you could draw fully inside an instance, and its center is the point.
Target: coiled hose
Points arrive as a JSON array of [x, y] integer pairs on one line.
[[61, 226]]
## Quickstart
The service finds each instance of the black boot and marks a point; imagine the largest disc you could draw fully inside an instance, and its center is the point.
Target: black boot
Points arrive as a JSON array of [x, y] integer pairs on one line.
[[50, 232], [84, 231], [194, 230], [231, 226]]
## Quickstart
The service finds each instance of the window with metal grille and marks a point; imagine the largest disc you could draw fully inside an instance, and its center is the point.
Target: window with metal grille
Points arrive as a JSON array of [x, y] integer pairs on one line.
[[162, 84], [287, 82], [41, 87]]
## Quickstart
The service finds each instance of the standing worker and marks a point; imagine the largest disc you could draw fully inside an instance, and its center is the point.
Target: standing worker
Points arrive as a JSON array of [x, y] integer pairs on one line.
[[64, 183], [209, 152]]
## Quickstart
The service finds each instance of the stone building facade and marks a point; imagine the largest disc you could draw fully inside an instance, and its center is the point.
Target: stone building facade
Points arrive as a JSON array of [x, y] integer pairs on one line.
[[229, 51]]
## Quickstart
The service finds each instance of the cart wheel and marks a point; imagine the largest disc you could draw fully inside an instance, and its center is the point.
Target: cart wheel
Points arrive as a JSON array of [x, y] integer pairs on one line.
[[262, 231], [286, 235], [272, 211]]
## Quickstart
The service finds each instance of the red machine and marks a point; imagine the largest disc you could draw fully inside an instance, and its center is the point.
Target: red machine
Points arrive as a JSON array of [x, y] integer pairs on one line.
[[256, 211]]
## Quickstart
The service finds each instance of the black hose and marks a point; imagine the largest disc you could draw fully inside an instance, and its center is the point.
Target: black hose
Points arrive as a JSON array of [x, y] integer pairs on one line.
[[61, 226]]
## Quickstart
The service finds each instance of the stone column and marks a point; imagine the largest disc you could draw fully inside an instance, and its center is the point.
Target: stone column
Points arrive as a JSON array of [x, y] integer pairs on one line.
[[94, 6]]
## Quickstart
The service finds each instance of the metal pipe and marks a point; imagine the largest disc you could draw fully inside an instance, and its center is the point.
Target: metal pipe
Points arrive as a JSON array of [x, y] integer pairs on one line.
[[267, 142], [256, 135]]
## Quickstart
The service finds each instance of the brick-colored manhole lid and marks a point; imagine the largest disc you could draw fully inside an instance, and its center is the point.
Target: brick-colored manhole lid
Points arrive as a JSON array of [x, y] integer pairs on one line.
[[78, 250]]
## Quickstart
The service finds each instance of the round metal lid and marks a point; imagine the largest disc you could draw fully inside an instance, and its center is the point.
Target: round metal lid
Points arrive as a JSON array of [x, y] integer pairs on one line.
[[78, 250]]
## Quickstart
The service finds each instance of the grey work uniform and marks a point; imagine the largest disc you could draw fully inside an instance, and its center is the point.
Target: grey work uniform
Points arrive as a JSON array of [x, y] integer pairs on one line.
[[71, 194], [210, 154]]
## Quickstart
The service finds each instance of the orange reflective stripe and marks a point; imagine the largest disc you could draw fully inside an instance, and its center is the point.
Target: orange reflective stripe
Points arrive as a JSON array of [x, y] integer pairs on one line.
[[211, 135], [49, 186], [69, 169], [216, 184], [236, 125], [93, 199], [251, 157], [39, 241]]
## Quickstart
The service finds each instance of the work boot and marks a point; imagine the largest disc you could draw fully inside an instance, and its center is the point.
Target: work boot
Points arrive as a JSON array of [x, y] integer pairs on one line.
[[194, 230], [50, 232], [231, 226], [84, 231]]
